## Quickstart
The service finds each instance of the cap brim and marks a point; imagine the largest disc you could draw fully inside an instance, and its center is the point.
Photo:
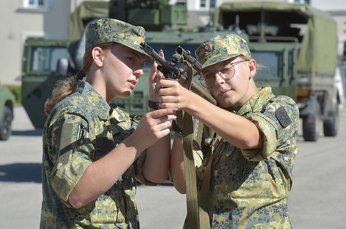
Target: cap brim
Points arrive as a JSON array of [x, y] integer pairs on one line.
[[138, 49], [216, 60]]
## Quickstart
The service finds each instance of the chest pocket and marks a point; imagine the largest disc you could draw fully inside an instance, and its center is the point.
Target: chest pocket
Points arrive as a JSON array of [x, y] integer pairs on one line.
[[104, 141]]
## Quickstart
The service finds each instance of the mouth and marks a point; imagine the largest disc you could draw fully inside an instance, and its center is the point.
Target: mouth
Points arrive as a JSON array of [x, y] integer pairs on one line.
[[223, 92], [132, 83]]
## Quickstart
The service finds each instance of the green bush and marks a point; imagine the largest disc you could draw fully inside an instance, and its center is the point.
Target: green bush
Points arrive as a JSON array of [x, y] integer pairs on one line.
[[16, 90]]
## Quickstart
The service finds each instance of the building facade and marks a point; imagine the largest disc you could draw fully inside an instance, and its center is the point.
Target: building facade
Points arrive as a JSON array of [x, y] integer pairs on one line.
[[29, 18]]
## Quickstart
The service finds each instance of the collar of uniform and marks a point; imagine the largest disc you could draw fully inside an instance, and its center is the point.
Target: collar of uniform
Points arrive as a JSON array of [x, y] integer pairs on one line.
[[256, 102], [95, 98]]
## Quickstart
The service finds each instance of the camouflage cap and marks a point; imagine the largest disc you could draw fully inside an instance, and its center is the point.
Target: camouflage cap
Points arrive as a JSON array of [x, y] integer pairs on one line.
[[222, 48], [106, 30]]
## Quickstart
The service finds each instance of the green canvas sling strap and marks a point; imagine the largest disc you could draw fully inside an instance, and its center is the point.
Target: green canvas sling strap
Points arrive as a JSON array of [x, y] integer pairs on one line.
[[198, 201], [204, 194], [189, 167], [197, 211], [190, 174]]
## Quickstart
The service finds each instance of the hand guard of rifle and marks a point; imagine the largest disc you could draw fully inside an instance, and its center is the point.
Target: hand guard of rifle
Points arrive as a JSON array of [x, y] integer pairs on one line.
[[187, 57], [169, 70]]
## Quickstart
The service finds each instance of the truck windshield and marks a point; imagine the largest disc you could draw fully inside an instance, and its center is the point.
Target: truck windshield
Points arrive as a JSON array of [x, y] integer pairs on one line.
[[44, 59]]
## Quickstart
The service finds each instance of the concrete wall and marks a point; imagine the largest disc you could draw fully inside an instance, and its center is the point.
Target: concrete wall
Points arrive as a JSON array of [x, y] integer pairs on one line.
[[16, 24], [56, 19]]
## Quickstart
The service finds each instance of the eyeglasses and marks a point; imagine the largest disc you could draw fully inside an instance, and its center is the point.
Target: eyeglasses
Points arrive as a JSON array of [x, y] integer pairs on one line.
[[208, 80]]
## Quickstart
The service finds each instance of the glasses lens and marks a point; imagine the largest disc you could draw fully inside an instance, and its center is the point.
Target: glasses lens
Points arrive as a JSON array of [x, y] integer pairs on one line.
[[226, 73]]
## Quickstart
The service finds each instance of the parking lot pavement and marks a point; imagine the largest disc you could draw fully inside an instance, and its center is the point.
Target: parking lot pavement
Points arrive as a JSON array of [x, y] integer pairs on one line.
[[20, 181]]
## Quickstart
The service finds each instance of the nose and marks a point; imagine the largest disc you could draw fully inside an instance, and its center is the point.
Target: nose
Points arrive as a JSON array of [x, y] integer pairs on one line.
[[219, 79], [138, 72]]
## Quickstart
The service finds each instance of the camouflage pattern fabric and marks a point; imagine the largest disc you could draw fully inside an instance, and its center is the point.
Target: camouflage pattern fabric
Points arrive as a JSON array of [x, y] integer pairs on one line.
[[107, 30], [221, 48], [95, 129], [249, 188]]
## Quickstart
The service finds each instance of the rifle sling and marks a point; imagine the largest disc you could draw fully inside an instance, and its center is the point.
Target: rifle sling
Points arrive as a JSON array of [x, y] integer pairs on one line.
[[197, 218], [190, 174]]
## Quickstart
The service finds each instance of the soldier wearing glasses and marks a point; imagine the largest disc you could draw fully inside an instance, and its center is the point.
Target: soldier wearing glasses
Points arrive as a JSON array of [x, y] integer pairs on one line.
[[251, 176]]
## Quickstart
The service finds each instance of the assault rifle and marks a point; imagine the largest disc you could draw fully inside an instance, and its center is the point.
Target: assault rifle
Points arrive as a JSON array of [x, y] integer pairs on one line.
[[169, 69]]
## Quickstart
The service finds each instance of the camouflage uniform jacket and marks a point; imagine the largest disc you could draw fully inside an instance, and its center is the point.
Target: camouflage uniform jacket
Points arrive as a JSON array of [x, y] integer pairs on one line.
[[94, 128], [249, 188]]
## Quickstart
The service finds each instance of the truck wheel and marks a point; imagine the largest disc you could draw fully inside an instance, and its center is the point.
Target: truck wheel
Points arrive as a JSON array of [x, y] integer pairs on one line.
[[330, 125], [309, 128], [6, 124]]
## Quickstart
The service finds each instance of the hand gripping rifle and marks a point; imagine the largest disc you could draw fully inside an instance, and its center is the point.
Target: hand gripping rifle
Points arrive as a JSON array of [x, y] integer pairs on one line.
[[185, 56]]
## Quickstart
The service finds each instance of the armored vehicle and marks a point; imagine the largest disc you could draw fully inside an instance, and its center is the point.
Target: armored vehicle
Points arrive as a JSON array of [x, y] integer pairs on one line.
[[7, 101], [299, 45]]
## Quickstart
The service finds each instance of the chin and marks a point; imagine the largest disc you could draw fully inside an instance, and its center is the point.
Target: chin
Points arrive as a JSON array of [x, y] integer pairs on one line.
[[126, 94], [226, 104]]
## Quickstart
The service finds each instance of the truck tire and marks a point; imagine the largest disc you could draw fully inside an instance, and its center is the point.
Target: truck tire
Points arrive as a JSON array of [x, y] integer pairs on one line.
[[330, 125], [309, 128], [6, 124]]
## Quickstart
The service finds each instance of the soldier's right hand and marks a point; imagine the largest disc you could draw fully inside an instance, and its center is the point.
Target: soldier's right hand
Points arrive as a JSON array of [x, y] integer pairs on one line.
[[153, 126]]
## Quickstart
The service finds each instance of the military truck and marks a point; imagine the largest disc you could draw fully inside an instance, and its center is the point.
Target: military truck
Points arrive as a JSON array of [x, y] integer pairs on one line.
[[299, 45], [289, 39], [7, 101]]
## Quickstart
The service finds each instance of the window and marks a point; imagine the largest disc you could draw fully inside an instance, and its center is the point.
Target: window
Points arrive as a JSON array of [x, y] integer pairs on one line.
[[212, 4], [203, 3], [207, 4], [270, 64], [34, 4], [44, 59], [303, 1]]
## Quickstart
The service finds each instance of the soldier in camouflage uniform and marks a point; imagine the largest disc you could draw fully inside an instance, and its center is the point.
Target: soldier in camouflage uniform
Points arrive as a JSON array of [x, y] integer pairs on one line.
[[92, 151], [251, 170]]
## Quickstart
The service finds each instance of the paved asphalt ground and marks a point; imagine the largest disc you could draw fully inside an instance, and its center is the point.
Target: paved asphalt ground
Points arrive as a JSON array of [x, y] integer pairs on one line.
[[317, 199]]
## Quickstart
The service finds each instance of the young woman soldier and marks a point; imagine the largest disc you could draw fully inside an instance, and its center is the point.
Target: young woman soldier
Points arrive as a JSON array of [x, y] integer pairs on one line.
[[92, 151]]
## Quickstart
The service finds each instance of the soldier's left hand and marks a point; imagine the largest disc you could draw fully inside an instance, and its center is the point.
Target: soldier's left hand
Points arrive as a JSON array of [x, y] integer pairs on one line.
[[153, 79]]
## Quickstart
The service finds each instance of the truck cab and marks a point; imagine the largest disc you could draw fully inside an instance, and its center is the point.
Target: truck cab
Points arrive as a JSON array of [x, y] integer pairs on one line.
[[41, 68]]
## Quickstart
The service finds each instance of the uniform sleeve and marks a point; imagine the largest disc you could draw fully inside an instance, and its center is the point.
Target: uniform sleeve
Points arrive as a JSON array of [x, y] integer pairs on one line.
[[278, 122], [71, 154]]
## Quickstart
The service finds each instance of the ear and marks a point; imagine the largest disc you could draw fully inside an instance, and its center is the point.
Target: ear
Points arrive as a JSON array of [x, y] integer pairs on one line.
[[98, 56], [252, 68]]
